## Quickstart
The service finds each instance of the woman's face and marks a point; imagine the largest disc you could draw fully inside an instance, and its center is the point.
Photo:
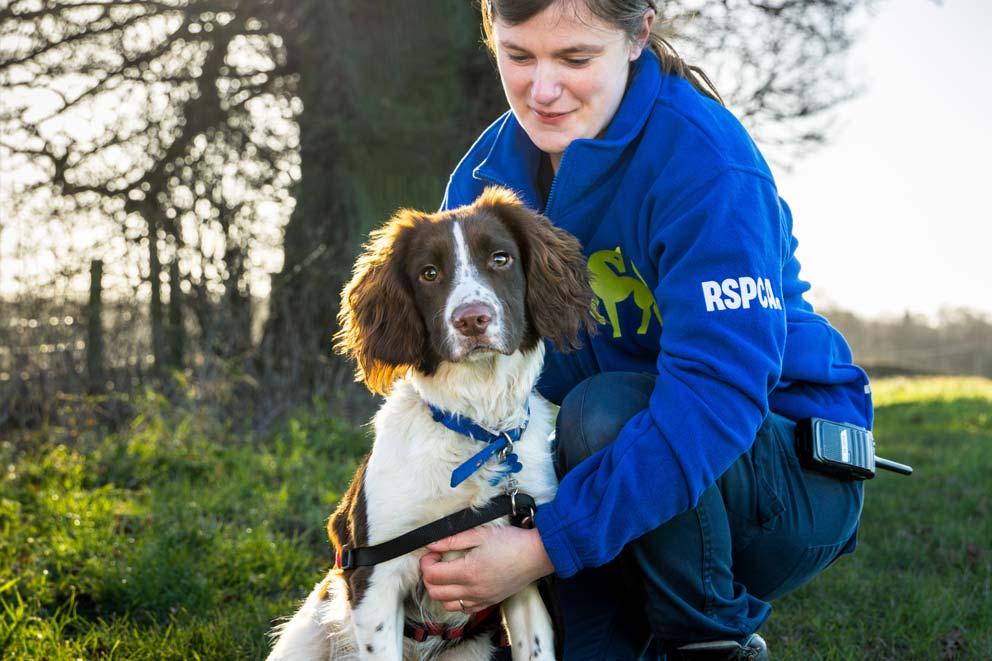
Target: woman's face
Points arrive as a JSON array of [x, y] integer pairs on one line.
[[564, 72]]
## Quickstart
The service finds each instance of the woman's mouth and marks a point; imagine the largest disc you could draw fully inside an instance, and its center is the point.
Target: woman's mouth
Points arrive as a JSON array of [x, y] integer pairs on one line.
[[551, 117]]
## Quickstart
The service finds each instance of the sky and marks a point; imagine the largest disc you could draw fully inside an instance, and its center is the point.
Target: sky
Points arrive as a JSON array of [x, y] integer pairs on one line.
[[893, 214]]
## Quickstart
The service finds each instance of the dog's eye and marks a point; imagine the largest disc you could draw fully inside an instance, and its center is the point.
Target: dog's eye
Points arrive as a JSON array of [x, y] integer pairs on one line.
[[429, 273], [501, 259]]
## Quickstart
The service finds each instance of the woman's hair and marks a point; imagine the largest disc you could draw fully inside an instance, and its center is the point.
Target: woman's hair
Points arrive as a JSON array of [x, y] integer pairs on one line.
[[625, 15]]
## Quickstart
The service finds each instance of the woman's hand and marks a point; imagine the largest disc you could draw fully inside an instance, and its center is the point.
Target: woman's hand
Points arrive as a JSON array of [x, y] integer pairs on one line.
[[500, 562]]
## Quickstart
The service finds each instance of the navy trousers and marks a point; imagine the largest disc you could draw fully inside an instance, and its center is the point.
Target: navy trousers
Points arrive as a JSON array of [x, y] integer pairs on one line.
[[766, 527]]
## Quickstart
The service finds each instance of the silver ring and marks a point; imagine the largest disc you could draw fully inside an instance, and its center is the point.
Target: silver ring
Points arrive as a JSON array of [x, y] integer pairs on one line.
[[461, 604]]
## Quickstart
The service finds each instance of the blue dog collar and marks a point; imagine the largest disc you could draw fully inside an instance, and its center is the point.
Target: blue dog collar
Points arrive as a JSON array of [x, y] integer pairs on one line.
[[496, 442]]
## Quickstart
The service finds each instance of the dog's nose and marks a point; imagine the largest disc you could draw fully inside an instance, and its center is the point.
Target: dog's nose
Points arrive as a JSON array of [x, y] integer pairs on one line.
[[472, 319]]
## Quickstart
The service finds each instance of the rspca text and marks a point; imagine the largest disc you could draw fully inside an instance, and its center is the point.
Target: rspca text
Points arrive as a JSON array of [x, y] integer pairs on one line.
[[734, 293]]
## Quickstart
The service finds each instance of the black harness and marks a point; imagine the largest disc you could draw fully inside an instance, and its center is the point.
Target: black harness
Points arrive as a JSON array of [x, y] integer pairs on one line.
[[518, 506]]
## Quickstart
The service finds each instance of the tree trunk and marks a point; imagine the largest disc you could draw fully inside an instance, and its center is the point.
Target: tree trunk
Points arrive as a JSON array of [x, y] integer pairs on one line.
[[365, 150], [318, 239]]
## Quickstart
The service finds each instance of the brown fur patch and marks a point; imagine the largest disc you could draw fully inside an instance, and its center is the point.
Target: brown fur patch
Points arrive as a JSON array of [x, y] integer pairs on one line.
[[380, 326], [559, 298], [349, 526]]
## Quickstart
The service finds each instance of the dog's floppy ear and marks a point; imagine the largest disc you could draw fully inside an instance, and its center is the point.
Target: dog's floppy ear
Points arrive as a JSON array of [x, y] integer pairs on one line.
[[559, 298], [380, 326]]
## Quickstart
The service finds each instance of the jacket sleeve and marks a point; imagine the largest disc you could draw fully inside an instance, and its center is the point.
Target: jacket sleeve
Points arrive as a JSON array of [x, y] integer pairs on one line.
[[819, 377], [722, 345]]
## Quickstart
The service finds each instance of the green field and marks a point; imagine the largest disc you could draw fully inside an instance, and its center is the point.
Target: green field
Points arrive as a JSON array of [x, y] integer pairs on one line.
[[177, 538]]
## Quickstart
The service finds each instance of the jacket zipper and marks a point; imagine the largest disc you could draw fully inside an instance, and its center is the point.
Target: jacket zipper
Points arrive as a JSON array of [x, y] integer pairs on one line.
[[551, 191], [554, 185]]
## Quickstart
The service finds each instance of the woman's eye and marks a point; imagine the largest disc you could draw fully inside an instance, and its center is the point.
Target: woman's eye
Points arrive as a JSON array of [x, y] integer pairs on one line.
[[518, 58], [429, 273], [501, 259]]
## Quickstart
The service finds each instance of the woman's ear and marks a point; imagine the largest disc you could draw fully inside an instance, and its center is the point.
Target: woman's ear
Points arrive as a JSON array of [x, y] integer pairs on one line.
[[643, 35], [380, 326], [559, 297]]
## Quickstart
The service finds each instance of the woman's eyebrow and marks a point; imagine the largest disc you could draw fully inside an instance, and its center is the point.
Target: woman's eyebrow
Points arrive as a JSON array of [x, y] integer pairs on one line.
[[571, 50], [580, 48]]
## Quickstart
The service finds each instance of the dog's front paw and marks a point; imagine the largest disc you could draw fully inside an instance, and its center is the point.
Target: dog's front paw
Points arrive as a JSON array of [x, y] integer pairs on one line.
[[532, 635], [535, 648]]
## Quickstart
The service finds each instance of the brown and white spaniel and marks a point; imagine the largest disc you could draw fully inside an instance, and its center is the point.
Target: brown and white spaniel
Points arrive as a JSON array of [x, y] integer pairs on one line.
[[445, 310]]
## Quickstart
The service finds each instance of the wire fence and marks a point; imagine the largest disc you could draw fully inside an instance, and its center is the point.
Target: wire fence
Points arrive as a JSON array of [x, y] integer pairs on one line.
[[44, 342]]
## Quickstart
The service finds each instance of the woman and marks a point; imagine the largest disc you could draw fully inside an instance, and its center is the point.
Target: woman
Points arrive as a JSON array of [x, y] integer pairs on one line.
[[682, 508]]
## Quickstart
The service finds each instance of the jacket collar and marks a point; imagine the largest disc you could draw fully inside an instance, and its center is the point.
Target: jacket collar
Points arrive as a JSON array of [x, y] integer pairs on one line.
[[513, 159]]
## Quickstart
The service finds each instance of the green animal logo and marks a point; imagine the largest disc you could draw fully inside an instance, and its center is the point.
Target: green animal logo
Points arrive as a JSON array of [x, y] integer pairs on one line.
[[611, 286]]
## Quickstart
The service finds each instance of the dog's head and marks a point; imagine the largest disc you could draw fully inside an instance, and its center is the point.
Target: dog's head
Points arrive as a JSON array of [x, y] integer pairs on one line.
[[488, 278]]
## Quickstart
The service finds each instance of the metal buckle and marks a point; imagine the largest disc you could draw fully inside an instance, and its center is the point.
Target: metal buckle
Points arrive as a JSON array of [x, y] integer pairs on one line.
[[510, 489], [344, 558], [505, 452], [519, 519]]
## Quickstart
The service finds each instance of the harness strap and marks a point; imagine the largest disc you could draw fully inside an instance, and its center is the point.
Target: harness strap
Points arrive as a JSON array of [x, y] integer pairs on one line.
[[519, 507], [421, 631]]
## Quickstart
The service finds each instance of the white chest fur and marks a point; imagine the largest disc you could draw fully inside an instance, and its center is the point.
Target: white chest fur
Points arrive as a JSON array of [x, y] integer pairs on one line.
[[409, 472]]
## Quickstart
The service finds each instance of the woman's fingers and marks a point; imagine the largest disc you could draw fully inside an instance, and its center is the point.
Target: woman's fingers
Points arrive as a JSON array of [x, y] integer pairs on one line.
[[437, 572], [449, 593], [463, 541]]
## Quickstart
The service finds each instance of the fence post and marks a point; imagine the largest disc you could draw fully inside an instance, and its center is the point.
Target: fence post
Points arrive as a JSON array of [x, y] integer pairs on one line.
[[94, 329], [177, 335], [155, 304]]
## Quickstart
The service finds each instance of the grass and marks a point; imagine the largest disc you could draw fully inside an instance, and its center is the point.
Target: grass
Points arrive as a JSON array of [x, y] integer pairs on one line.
[[177, 538], [920, 584], [159, 542]]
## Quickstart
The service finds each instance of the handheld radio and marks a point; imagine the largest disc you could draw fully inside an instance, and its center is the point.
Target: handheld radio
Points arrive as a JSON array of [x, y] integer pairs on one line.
[[840, 449]]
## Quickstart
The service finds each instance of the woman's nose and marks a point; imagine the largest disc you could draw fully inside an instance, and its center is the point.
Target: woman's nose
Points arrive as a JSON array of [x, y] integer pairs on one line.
[[545, 87]]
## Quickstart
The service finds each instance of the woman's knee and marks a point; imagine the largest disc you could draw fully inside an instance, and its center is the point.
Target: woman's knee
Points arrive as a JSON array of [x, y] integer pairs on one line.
[[593, 413]]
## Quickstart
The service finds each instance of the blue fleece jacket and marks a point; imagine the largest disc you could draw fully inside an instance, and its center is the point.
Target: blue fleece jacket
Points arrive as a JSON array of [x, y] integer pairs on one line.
[[693, 265]]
